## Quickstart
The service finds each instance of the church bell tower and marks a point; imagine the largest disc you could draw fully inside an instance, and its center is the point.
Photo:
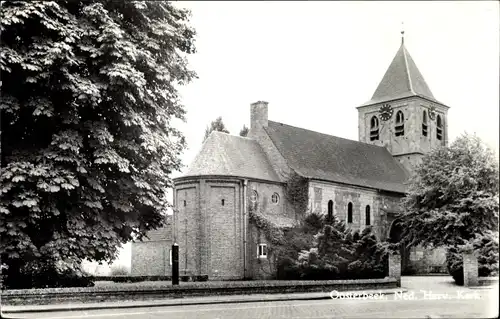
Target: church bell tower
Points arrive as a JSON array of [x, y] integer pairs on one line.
[[403, 114]]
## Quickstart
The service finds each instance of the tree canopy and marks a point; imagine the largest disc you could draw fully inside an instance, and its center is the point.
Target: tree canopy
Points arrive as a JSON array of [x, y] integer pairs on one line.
[[89, 90], [453, 197], [216, 125], [244, 131]]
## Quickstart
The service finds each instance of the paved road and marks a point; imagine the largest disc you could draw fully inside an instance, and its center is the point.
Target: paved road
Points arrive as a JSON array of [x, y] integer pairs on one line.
[[427, 297], [471, 304]]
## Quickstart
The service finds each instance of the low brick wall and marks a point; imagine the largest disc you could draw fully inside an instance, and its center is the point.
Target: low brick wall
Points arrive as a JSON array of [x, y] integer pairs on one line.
[[191, 289]]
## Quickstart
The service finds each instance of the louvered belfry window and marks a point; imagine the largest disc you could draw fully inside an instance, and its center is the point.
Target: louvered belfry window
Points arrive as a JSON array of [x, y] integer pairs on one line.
[[374, 135], [400, 124], [424, 123], [439, 128]]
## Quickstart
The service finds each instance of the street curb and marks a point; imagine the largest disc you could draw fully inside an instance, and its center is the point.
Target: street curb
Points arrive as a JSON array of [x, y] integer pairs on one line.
[[170, 302]]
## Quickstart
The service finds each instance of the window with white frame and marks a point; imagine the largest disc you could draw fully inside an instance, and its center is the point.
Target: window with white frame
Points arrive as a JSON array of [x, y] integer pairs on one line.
[[262, 251], [275, 199]]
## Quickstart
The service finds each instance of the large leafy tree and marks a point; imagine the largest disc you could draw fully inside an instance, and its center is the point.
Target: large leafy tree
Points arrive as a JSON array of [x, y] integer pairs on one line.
[[88, 98], [453, 197], [217, 125]]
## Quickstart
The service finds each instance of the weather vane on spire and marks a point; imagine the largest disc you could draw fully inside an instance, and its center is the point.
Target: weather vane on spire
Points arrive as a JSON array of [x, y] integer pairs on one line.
[[402, 32]]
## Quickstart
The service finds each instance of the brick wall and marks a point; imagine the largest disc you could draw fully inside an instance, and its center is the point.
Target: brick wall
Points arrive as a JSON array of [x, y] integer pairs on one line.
[[187, 221], [208, 227], [280, 213], [471, 270], [151, 258], [341, 195], [413, 140], [404, 147], [427, 260], [259, 268], [224, 229]]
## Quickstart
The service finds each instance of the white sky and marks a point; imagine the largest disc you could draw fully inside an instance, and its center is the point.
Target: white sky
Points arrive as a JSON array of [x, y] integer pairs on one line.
[[315, 62]]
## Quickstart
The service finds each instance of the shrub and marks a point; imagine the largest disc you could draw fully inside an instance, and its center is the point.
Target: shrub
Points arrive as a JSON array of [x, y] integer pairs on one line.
[[128, 278], [334, 252], [200, 278], [119, 270], [487, 259], [44, 274], [297, 239]]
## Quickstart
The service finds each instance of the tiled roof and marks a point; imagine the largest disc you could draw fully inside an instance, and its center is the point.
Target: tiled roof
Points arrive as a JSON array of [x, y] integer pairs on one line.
[[229, 155], [325, 157], [402, 79]]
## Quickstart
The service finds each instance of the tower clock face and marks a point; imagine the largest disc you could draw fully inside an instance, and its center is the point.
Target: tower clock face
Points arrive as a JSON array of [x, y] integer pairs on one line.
[[432, 112], [386, 112]]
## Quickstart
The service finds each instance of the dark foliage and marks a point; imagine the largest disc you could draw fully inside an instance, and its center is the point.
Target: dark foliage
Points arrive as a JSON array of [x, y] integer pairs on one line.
[[325, 249], [43, 275], [487, 260], [89, 95]]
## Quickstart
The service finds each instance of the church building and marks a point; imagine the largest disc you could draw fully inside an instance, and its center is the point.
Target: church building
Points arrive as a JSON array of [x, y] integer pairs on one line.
[[361, 182]]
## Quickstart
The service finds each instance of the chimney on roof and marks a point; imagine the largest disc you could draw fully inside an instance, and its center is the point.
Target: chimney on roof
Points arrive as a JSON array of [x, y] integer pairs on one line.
[[258, 115]]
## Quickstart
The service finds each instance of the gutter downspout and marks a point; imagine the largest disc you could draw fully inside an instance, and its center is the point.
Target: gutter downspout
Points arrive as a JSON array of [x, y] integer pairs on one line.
[[244, 201]]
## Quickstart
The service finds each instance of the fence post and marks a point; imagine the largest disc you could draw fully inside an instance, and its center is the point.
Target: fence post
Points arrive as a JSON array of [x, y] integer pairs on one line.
[[175, 264], [395, 266], [470, 267]]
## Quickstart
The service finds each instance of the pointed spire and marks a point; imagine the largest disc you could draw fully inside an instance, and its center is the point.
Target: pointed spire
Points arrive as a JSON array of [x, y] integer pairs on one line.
[[402, 79], [402, 33]]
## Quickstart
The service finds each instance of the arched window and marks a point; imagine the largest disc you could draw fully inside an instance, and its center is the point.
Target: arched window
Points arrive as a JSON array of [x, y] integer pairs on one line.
[[400, 124], [439, 128], [374, 136], [424, 123], [349, 213], [330, 208], [367, 215], [254, 199]]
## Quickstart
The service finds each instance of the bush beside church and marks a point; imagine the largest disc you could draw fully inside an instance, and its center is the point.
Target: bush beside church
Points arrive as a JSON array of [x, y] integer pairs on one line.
[[323, 248]]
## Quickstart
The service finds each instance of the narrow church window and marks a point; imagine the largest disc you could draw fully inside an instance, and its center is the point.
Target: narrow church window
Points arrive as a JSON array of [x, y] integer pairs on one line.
[[367, 215], [184, 203], [222, 202], [254, 197], [330, 208], [374, 136], [349, 213], [275, 199], [439, 128], [400, 125], [170, 257], [262, 251], [424, 123]]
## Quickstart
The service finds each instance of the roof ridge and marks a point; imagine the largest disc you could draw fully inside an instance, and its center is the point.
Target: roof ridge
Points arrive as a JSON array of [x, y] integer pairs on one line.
[[233, 135], [407, 68], [334, 136]]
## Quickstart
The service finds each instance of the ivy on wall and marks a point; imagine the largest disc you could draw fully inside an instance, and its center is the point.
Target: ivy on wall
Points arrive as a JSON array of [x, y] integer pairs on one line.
[[272, 232], [297, 192]]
